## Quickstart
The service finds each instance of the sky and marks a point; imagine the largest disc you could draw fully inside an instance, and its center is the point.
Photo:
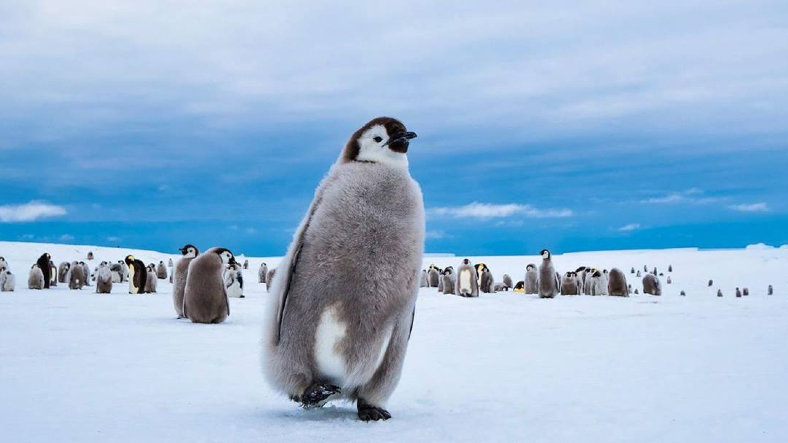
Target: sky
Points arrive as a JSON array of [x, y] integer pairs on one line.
[[579, 125]]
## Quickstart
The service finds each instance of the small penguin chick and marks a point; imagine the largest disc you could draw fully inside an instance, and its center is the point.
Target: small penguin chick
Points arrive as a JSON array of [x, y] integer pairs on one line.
[[262, 273], [719, 292], [180, 274], [531, 279], [548, 281], [205, 296]]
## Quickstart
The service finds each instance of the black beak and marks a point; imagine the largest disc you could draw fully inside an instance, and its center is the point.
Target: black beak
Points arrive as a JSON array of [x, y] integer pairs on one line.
[[232, 261], [183, 250], [400, 141]]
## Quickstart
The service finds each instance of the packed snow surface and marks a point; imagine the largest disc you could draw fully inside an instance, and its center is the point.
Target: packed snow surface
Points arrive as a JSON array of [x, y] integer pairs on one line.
[[76, 366]]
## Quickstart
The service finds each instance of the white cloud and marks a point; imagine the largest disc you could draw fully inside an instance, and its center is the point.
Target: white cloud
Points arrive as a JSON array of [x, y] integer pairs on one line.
[[436, 234], [691, 196], [750, 207], [113, 239], [27, 212], [630, 227], [66, 237], [490, 210]]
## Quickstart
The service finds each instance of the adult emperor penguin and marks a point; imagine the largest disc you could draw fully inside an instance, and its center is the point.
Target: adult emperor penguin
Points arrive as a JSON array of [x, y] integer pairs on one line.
[[652, 285], [262, 273], [138, 275], [548, 282], [35, 279], [161, 271], [329, 337], [43, 264], [531, 279], [617, 283], [467, 283], [519, 286], [205, 295], [181, 272], [103, 279]]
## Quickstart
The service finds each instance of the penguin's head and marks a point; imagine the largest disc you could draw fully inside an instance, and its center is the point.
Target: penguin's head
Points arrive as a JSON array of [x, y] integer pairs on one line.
[[129, 259], [581, 269], [383, 140], [530, 267], [466, 261], [597, 274], [226, 256], [545, 254], [189, 251]]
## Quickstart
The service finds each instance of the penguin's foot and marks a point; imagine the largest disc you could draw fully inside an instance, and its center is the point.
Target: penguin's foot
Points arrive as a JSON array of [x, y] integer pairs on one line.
[[367, 412], [317, 394], [243, 296]]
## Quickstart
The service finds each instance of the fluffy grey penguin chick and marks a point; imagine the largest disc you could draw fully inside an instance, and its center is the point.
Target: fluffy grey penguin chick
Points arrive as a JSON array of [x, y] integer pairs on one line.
[[425, 279], [449, 283], [103, 279], [205, 296], [569, 284], [617, 283], [151, 280], [507, 281], [434, 277], [269, 279], [76, 278], [548, 282], [651, 285], [343, 301], [531, 279], [488, 282], [467, 281], [86, 274], [36, 278], [181, 272], [161, 271], [262, 273], [7, 280]]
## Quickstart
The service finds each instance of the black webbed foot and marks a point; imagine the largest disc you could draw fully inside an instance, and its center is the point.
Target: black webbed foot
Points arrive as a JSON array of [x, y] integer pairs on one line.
[[317, 394], [367, 412]]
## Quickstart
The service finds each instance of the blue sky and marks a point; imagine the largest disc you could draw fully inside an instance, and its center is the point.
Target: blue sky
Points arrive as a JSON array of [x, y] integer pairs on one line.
[[568, 125]]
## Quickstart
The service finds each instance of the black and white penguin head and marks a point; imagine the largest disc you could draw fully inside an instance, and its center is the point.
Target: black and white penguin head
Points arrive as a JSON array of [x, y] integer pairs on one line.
[[580, 269], [466, 261], [129, 260], [383, 140], [530, 267], [189, 251], [545, 254], [227, 257]]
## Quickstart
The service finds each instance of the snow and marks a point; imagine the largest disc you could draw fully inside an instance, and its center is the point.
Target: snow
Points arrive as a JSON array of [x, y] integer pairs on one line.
[[79, 366]]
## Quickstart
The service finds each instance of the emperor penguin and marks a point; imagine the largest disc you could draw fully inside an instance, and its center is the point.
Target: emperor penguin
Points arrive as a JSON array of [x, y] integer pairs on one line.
[[440, 281], [424, 282], [36, 278], [569, 284], [124, 274], [449, 281], [85, 273], [770, 291], [595, 284], [719, 292], [52, 274], [76, 279], [161, 271], [632, 271], [181, 272], [711, 282], [435, 276], [617, 283], [669, 281], [7, 280], [138, 274], [62, 272], [548, 282], [234, 281], [116, 271], [90, 255], [580, 273], [103, 279], [246, 264], [169, 263], [531, 279], [151, 281], [487, 281], [638, 274], [670, 268], [262, 273], [43, 264], [467, 285], [519, 287], [269, 279], [329, 337], [738, 293], [3, 263], [651, 285], [507, 282], [205, 295], [746, 292]]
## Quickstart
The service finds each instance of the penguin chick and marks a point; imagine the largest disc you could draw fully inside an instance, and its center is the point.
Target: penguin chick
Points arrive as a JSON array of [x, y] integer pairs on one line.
[[52, 274], [596, 284], [103, 279], [169, 263], [435, 276], [424, 280], [652, 285], [116, 271], [466, 280], [488, 282], [180, 274], [76, 278], [90, 255], [161, 271], [269, 279], [507, 282], [569, 284], [7, 280], [36, 278], [246, 264], [531, 279], [548, 282], [234, 281], [205, 295], [262, 273], [86, 274], [617, 283], [344, 300], [151, 280], [449, 283]]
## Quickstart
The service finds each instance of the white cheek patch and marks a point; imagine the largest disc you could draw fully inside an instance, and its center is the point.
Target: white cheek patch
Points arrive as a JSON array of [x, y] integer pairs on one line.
[[330, 332]]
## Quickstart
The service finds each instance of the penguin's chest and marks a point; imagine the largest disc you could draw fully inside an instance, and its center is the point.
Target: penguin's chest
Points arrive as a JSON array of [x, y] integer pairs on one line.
[[465, 280]]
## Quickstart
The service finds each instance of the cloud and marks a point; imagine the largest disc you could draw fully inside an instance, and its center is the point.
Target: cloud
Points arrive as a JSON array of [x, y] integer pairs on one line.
[[28, 212], [490, 210], [113, 239], [436, 234], [630, 227], [750, 207], [66, 237], [690, 196]]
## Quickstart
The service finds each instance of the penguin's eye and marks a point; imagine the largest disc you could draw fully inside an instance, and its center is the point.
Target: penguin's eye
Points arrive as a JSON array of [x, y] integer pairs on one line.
[[377, 139]]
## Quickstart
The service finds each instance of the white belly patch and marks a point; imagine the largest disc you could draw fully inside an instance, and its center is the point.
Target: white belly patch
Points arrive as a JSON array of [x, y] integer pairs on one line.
[[465, 281], [330, 362]]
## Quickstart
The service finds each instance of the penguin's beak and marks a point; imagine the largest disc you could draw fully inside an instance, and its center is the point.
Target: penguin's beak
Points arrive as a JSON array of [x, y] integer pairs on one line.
[[232, 261], [400, 141]]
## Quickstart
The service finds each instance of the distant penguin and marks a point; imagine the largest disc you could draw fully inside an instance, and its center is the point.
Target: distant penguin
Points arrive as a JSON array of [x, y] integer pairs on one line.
[[519, 287], [449, 283], [36, 278], [683, 294], [487, 281], [531, 279], [151, 281], [645, 268], [632, 271], [670, 268], [86, 274], [103, 279], [569, 284], [205, 296], [234, 281], [169, 263], [138, 275], [548, 282], [90, 255], [76, 278], [638, 274], [62, 272], [161, 271], [770, 291], [669, 280], [617, 283], [719, 292], [711, 282], [629, 288], [269, 279], [637, 292], [507, 282], [246, 264], [424, 280], [43, 264], [7, 280], [738, 293], [746, 292], [262, 273], [652, 285], [435, 276], [467, 285], [180, 274]]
